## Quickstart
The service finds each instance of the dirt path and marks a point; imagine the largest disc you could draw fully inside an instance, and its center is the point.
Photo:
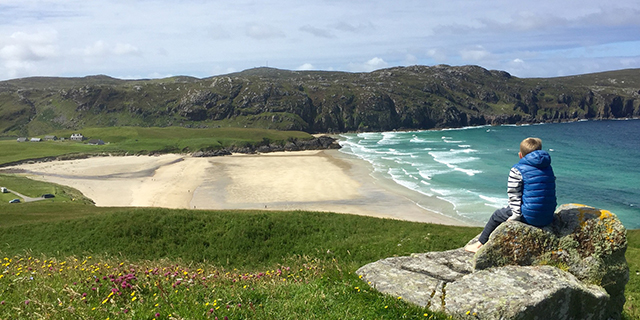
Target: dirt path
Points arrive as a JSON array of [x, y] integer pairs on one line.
[[25, 198]]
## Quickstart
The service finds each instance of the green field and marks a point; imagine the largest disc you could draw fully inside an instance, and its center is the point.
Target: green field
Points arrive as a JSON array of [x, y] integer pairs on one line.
[[138, 140]]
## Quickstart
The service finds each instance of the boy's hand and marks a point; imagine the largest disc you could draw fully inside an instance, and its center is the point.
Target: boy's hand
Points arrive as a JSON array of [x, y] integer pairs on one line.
[[514, 217]]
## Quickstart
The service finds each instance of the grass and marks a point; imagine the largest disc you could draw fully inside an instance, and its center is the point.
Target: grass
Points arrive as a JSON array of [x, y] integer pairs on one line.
[[185, 264], [138, 140], [221, 258]]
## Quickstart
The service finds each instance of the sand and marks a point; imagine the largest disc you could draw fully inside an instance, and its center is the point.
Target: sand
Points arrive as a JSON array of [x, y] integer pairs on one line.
[[324, 180]]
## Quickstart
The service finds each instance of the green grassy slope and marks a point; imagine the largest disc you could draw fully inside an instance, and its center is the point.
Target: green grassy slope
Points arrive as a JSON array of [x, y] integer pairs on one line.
[[321, 250], [416, 97], [140, 140]]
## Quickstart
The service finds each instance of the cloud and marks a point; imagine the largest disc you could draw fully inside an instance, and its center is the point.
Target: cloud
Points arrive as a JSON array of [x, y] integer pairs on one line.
[[438, 54], [371, 65], [218, 32], [263, 31], [306, 66], [101, 48], [354, 28], [21, 51], [29, 47], [321, 33], [474, 54], [410, 59]]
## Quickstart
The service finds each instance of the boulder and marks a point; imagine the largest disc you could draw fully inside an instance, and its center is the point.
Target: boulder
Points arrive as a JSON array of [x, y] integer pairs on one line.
[[574, 268], [511, 292], [587, 242]]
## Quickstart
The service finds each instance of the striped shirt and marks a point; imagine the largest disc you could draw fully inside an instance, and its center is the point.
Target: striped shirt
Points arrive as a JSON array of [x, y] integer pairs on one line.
[[514, 191]]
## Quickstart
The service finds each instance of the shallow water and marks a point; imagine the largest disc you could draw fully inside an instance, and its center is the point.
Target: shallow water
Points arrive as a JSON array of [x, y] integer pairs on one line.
[[596, 163]]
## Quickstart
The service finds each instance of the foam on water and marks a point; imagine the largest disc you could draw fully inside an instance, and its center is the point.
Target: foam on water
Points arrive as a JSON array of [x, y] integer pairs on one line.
[[468, 167]]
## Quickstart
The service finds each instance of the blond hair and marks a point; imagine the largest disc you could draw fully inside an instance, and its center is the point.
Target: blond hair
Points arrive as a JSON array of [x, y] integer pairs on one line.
[[530, 144]]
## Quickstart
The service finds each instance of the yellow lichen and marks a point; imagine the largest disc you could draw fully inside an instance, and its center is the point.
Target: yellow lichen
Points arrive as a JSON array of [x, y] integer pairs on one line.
[[605, 214]]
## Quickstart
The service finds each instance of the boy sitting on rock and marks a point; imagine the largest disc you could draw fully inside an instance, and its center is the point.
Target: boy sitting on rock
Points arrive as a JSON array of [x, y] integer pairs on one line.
[[531, 188]]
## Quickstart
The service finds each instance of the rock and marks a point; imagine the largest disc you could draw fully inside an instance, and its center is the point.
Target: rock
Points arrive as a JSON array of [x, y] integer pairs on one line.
[[589, 243], [211, 153], [574, 268], [389, 277], [511, 292]]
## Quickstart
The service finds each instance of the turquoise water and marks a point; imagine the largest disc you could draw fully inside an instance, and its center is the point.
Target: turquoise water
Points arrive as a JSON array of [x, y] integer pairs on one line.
[[596, 163]]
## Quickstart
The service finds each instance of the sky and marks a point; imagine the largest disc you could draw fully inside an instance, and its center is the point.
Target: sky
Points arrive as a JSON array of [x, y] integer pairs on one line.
[[136, 39]]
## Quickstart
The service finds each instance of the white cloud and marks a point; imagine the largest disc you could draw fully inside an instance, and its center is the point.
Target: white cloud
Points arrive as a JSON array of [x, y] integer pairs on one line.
[[410, 59], [438, 54], [263, 31], [364, 27], [475, 54], [125, 48], [371, 65], [318, 32], [21, 51], [306, 66], [101, 48], [23, 46]]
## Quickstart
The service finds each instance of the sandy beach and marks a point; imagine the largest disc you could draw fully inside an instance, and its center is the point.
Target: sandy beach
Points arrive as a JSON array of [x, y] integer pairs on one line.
[[324, 180]]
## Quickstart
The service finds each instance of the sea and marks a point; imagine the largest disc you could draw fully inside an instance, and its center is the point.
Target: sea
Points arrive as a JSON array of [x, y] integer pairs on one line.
[[596, 163]]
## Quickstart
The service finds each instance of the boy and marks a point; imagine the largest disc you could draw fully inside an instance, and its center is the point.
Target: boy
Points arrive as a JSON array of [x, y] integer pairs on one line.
[[531, 188]]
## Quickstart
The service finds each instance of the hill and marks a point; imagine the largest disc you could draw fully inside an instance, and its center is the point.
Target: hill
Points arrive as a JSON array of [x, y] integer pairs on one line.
[[417, 97]]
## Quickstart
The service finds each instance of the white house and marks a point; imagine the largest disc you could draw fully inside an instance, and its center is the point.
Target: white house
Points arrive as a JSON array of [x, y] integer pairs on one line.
[[77, 137]]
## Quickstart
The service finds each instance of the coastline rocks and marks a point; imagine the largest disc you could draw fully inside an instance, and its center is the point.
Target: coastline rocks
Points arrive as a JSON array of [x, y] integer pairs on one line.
[[573, 269], [319, 143], [211, 153]]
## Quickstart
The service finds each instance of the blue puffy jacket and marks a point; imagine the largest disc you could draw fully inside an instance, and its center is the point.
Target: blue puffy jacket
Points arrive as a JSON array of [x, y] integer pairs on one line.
[[538, 188]]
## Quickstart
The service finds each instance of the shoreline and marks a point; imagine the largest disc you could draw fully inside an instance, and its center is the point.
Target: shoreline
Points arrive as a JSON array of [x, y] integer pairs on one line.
[[317, 180]]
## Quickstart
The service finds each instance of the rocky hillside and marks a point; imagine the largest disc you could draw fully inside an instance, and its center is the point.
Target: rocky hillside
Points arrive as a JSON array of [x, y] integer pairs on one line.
[[417, 97]]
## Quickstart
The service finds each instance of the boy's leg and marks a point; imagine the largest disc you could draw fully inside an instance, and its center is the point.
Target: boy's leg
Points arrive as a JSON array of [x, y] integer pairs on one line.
[[497, 218]]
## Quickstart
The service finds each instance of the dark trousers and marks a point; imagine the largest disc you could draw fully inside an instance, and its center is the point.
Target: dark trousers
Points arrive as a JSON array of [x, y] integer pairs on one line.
[[499, 216]]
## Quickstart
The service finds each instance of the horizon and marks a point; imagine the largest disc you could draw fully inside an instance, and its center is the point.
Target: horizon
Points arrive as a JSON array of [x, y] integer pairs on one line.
[[288, 70], [155, 39]]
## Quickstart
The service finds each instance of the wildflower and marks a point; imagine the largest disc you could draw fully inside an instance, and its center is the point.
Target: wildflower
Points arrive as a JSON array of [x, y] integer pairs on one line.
[[157, 315], [26, 302]]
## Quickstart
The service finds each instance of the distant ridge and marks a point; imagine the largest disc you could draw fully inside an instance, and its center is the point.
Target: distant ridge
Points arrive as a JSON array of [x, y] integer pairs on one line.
[[400, 98]]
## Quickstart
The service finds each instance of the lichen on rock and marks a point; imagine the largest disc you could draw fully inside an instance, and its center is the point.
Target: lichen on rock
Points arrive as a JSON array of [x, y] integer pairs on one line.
[[574, 268]]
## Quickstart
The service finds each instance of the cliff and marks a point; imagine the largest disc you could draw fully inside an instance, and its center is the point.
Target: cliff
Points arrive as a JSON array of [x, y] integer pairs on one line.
[[417, 97]]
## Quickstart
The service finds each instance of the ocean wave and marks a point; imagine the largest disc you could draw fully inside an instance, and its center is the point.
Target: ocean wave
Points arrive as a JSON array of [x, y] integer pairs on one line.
[[398, 153], [416, 139], [493, 202], [449, 158], [469, 172], [390, 138], [465, 128], [369, 135]]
